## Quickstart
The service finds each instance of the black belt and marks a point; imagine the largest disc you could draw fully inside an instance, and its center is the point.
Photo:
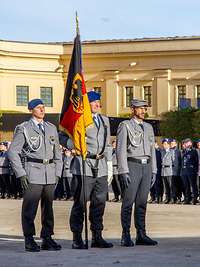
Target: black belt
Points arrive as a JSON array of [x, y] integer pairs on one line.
[[94, 156], [44, 161], [5, 167], [141, 161], [166, 166]]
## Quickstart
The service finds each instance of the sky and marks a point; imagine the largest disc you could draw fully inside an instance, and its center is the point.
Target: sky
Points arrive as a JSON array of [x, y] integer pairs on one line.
[[54, 20]]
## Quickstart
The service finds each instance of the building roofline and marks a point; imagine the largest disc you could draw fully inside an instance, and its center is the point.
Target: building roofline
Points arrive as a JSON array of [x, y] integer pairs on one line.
[[145, 39]]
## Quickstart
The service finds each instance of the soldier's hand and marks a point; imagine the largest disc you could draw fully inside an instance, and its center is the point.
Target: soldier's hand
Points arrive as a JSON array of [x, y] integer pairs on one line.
[[124, 180], [24, 182], [57, 179], [153, 179]]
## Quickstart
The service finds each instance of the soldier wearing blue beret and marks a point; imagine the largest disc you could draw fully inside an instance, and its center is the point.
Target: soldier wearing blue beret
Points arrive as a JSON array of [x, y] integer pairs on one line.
[[96, 170], [36, 142]]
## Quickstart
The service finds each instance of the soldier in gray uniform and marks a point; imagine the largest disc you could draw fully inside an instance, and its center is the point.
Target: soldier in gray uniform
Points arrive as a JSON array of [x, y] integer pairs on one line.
[[167, 172], [67, 175], [37, 142], [97, 140], [136, 166], [115, 181]]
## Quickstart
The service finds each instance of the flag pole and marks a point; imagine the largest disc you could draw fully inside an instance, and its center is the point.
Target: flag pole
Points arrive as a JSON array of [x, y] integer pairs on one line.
[[83, 169]]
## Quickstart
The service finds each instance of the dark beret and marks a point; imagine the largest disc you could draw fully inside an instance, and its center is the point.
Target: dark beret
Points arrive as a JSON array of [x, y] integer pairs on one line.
[[166, 140], [93, 96], [34, 103]]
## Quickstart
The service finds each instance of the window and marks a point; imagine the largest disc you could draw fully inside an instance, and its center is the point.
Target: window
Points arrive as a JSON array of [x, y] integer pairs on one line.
[[129, 95], [198, 90], [181, 91], [183, 102], [198, 95], [148, 95], [97, 89], [22, 95], [46, 94]]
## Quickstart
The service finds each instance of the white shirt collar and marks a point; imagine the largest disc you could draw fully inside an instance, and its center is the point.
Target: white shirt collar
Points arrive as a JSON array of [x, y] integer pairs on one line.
[[37, 122]]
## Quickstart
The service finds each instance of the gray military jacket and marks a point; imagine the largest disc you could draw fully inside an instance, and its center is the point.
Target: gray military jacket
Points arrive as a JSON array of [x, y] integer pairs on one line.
[[114, 162], [94, 141], [66, 166], [4, 163], [133, 142], [30, 142], [167, 162]]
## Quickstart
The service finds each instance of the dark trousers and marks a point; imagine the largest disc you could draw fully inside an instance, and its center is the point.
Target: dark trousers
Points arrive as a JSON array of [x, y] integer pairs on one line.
[[116, 186], [67, 186], [190, 182], [96, 192], [169, 187], [5, 184], [156, 191], [178, 186], [31, 199], [137, 192], [59, 190]]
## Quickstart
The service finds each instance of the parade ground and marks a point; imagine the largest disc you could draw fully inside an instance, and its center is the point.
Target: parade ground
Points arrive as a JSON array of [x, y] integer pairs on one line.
[[176, 227]]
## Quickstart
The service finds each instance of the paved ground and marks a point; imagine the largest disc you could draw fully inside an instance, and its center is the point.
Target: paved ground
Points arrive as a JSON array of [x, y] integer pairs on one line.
[[176, 227]]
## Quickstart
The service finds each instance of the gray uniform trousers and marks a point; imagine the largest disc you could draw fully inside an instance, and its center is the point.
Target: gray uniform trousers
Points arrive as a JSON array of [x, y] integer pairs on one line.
[[96, 193], [137, 192], [31, 199]]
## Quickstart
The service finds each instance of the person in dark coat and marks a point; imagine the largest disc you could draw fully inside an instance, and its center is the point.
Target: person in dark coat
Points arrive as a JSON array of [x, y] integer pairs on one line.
[[189, 172]]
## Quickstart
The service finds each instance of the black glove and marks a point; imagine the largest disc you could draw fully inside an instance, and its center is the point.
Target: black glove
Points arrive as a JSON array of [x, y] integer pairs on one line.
[[24, 182], [124, 180]]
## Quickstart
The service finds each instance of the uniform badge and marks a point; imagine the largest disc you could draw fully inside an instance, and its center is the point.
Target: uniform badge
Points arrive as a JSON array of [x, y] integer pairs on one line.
[[52, 138]]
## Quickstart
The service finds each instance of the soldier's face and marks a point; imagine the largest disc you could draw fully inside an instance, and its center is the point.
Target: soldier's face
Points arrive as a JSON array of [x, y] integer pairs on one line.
[[95, 106], [198, 145], [2, 148], [166, 145], [173, 144], [139, 112], [38, 112]]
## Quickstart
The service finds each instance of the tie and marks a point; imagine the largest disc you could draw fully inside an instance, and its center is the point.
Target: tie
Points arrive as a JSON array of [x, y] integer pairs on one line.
[[142, 126], [40, 126], [96, 121]]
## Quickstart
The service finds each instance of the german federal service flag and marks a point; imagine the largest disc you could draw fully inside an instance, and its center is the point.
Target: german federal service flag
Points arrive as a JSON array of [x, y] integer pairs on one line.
[[76, 114]]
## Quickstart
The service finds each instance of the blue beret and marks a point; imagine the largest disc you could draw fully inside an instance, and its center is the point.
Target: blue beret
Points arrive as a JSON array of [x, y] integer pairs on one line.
[[166, 140], [198, 141], [93, 96], [34, 103]]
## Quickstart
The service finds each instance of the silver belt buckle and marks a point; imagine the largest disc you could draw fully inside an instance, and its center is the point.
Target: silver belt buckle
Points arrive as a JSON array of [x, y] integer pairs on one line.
[[45, 161], [144, 161]]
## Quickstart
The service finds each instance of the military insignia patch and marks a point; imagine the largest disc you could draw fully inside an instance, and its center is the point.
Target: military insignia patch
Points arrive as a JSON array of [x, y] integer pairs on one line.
[[52, 138]]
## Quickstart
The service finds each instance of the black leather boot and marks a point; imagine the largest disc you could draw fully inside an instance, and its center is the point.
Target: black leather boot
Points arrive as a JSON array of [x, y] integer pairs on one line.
[[98, 241], [31, 245], [78, 241], [49, 244], [126, 240], [143, 239]]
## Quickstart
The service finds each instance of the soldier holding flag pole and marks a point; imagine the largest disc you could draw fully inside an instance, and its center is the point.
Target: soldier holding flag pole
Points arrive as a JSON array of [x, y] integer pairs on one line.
[[90, 143]]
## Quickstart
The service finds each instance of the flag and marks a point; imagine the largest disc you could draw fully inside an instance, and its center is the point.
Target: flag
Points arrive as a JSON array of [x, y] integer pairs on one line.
[[76, 114]]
